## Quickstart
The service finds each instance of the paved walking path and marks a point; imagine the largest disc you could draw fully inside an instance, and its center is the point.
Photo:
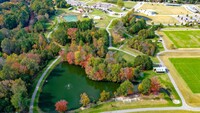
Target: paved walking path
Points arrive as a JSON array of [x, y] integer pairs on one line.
[[107, 29], [38, 85], [43, 75], [113, 48]]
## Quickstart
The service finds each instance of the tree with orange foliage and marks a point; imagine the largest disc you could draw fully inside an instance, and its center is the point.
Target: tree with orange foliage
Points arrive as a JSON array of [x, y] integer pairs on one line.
[[155, 85], [61, 106], [70, 57], [71, 32], [126, 73]]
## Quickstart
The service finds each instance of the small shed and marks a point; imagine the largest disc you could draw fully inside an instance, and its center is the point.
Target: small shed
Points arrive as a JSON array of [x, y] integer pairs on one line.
[[160, 69]]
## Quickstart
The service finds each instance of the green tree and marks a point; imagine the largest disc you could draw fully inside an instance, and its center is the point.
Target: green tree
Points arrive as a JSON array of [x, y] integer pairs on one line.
[[144, 87], [120, 3], [19, 99], [84, 99], [125, 88], [39, 27], [60, 36], [104, 96], [61, 3], [144, 61]]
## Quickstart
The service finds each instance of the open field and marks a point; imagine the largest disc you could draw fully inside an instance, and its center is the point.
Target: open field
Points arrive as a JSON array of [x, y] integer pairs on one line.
[[129, 4], [165, 10], [116, 9], [189, 70], [163, 19], [125, 56], [192, 99], [176, 111], [184, 39], [105, 18], [157, 19]]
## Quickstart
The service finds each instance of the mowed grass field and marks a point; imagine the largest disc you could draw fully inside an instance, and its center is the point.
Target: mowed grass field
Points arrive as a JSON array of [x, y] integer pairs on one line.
[[163, 19], [161, 9], [103, 23], [189, 69], [184, 39], [129, 4]]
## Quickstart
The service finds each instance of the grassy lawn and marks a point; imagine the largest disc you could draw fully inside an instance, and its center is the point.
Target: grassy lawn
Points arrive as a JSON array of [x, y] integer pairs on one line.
[[157, 19], [92, 2], [163, 19], [105, 18], [130, 50], [125, 56], [184, 39], [175, 111], [129, 4], [165, 10], [136, 52], [192, 99], [120, 105], [116, 9], [189, 70]]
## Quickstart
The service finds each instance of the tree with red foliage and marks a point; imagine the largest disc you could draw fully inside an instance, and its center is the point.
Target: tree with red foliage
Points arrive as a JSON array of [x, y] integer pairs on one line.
[[61, 106], [63, 55], [71, 32], [126, 73], [155, 85], [70, 57]]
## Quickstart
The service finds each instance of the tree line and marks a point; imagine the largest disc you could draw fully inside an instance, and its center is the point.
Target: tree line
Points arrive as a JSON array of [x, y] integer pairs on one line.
[[24, 50]]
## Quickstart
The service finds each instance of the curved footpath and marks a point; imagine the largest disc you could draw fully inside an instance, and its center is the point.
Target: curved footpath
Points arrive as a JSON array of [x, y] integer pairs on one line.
[[43, 75], [38, 85]]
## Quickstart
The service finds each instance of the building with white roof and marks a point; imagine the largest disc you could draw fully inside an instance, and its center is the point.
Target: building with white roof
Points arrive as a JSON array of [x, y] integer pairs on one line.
[[160, 69]]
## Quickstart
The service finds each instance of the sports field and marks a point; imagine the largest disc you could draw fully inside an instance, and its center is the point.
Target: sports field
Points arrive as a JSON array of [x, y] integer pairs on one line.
[[189, 69], [165, 10], [185, 38]]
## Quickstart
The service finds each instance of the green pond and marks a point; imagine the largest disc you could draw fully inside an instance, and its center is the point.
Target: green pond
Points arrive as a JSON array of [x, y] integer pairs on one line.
[[68, 82]]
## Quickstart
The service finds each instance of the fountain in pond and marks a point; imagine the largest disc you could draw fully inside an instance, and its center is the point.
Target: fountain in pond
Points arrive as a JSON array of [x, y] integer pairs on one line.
[[68, 86]]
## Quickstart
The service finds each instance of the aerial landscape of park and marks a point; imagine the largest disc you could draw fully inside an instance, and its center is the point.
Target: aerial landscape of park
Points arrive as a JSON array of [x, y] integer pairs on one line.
[[99, 56]]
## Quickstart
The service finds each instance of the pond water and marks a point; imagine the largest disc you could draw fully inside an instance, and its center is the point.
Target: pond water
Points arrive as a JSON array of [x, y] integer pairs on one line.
[[68, 82], [70, 18], [145, 18]]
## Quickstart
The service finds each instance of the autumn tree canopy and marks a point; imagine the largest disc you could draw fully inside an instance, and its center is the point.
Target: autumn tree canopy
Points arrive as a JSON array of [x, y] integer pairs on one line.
[[84, 99], [61, 106]]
